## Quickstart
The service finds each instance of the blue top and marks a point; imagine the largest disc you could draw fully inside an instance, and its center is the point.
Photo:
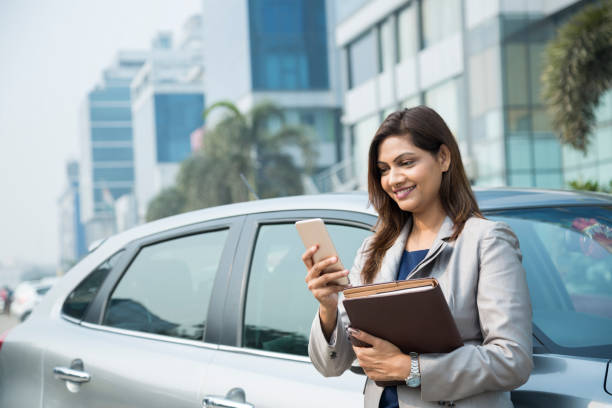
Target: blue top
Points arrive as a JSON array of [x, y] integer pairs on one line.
[[409, 261]]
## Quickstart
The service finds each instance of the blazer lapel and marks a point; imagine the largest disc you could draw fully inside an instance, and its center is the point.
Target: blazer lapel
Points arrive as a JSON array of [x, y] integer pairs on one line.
[[391, 260], [445, 232]]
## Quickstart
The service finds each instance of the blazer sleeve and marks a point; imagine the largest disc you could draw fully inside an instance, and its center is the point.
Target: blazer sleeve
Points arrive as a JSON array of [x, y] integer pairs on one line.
[[336, 356], [503, 361]]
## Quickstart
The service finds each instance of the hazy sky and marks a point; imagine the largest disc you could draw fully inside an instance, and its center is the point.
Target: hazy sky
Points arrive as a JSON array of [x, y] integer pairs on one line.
[[51, 54]]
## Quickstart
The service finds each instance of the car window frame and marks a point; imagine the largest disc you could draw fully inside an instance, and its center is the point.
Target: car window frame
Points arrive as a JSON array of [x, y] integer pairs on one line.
[[233, 316], [95, 313]]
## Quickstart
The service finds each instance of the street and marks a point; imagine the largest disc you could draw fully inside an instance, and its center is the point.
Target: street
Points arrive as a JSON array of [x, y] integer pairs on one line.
[[7, 322]]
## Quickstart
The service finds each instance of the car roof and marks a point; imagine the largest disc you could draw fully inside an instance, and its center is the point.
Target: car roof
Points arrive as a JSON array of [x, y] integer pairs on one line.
[[488, 199]]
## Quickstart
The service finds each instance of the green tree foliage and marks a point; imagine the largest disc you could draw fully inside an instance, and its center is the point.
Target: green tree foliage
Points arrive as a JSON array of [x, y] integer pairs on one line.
[[242, 151], [169, 201], [590, 185], [578, 70]]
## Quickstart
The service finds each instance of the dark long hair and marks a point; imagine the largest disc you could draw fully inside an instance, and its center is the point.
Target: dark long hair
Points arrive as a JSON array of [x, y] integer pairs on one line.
[[427, 131]]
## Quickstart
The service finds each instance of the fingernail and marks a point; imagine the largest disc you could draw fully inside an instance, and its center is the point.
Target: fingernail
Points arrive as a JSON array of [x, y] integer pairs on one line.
[[334, 259], [353, 331]]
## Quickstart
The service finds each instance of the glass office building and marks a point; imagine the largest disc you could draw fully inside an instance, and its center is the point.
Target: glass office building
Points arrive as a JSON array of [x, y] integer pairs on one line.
[[71, 230], [167, 103], [107, 150], [277, 51], [478, 63]]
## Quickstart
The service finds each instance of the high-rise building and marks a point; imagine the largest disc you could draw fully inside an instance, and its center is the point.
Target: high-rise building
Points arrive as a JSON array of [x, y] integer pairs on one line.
[[72, 232], [107, 151], [277, 51], [167, 105], [478, 63]]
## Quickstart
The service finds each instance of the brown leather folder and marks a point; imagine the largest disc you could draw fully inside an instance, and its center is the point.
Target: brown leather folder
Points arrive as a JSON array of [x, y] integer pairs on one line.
[[412, 314]]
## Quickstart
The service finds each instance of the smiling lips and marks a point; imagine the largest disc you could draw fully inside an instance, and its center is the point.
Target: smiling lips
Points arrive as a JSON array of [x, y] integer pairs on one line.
[[403, 192]]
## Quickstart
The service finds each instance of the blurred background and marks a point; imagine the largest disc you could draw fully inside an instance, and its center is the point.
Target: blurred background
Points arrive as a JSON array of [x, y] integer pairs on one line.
[[115, 113]]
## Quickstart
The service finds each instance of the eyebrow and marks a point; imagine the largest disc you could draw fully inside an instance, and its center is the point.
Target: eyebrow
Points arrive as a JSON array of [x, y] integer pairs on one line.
[[399, 157]]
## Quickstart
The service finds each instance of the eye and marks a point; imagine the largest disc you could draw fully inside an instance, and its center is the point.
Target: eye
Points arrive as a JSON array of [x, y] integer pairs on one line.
[[407, 163], [382, 170]]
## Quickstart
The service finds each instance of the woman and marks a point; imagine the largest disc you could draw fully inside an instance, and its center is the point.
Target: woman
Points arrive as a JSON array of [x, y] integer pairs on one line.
[[429, 225]]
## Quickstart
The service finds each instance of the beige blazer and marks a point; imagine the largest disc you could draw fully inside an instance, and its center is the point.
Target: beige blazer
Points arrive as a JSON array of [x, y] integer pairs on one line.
[[484, 283]]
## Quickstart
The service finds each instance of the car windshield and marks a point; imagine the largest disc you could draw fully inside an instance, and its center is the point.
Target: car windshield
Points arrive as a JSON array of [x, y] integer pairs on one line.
[[567, 253]]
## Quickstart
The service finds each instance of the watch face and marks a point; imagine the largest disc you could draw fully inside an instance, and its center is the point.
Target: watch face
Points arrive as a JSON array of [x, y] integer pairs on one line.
[[413, 381]]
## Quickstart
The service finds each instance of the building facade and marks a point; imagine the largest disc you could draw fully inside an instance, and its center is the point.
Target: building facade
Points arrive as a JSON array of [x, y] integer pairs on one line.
[[107, 149], [167, 106], [72, 232], [478, 63], [278, 51]]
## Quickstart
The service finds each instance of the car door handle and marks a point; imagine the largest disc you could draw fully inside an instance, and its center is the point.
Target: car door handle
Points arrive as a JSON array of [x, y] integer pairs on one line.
[[211, 401], [69, 374]]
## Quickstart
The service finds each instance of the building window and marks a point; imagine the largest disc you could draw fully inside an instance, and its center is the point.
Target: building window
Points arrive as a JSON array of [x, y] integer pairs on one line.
[[111, 114], [362, 59], [111, 134], [407, 33], [444, 99], [288, 44], [176, 116], [114, 94], [441, 19], [363, 132], [113, 174], [386, 45], [112, 154]]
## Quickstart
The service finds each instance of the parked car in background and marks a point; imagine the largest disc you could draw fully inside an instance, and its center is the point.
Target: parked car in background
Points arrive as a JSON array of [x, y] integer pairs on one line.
[[210, 308], [28, 294], [6, 296]]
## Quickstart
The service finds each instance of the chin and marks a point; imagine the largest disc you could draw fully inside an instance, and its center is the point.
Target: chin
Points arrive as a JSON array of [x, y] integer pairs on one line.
[[405, 206]]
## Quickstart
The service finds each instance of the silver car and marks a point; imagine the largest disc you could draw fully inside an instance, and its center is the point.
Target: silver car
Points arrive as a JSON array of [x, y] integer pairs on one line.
[[210, 309]]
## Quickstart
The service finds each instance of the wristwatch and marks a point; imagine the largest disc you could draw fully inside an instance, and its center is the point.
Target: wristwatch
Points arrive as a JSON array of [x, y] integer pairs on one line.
[[414, 379]]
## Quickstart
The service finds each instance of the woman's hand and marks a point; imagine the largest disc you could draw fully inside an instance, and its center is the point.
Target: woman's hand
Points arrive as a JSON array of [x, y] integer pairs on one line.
[[383, 361], [322, 287]]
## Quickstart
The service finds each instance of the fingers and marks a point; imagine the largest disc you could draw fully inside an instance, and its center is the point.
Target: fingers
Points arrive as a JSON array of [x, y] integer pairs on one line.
[[327, 282], [365, 337], [307, 256], [316, 269]]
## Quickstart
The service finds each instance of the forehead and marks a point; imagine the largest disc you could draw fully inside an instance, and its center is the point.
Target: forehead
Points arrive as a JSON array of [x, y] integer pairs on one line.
[[396, 145]]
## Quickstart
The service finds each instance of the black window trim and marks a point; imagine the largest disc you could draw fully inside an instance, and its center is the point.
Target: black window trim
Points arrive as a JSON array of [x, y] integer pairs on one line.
[[233, 311], [95, 312]]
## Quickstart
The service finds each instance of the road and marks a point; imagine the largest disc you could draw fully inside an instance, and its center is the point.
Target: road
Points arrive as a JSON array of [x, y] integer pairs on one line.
[[7, 322]]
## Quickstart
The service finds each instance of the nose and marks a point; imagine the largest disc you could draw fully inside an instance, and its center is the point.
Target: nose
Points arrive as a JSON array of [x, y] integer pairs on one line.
[[395, 176]]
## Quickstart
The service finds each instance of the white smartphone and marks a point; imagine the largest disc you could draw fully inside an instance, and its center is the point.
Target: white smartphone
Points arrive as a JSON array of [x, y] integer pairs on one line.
[[313, 232]]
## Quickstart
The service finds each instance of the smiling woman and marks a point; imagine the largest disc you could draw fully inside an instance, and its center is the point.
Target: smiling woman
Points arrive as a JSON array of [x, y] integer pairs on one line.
[[429, 225]]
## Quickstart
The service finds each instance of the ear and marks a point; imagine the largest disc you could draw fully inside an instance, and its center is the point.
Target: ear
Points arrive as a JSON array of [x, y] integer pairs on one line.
[[444, 158]]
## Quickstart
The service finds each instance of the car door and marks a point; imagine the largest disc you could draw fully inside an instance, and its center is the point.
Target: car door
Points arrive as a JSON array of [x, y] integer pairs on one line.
[[263, 358], [140, 341]]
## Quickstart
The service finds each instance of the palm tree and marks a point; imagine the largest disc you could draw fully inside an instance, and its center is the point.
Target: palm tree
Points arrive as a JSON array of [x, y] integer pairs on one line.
[[259, 146], [244, 156], [578, 70]]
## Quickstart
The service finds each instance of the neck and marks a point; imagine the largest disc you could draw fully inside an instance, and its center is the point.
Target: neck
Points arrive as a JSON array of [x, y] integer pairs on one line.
[[430, 221]]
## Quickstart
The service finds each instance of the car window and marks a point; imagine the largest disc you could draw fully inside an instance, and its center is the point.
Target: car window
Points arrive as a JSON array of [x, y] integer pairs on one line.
[[166, 289], [567, 253], [79, 299], [279, 308]]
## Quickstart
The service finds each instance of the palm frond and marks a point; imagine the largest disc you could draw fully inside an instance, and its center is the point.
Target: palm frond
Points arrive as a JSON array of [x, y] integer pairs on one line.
[[578, 70]]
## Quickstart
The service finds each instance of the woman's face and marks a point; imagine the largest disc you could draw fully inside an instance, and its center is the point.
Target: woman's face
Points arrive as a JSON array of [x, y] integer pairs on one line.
[[411, 176]]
